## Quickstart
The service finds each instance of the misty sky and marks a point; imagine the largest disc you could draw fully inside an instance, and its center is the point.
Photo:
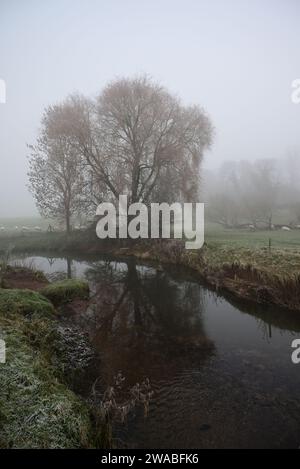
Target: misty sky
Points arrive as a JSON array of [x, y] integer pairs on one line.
[[235, 58]]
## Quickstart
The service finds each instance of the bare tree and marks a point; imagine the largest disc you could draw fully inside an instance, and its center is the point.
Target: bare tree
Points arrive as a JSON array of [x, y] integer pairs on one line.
[[258, 186], [135, 139], [55, 174], [221, 194], [138, 139], [244, 192], [290, 192]]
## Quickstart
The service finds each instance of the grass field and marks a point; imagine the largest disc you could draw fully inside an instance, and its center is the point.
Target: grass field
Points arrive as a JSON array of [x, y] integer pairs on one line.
[[10, 224], [215, 233]]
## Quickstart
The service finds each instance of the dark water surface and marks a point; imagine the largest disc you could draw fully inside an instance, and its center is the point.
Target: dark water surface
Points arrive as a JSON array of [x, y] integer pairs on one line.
[[221, 370]]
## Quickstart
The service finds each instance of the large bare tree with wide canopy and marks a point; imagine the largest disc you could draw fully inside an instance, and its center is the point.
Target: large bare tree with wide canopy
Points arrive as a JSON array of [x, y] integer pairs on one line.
[[136, 139], [146, 138], [139, 140]]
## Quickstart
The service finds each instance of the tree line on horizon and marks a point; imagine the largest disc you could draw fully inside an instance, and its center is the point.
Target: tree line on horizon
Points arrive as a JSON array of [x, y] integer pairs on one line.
[[260, 194]]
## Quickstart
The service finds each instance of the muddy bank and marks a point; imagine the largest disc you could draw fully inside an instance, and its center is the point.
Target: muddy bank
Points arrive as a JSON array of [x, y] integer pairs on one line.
[[21, 277]]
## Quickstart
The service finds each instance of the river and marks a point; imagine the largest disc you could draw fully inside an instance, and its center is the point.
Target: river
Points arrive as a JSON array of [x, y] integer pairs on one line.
[[220, 369]]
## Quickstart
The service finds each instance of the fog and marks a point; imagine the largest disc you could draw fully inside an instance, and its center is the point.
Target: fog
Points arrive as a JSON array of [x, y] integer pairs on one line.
[[237, 59]]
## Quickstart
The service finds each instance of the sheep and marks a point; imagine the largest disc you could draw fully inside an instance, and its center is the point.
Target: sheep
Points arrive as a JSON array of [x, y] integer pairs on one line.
[[37, 228], [285, 228]]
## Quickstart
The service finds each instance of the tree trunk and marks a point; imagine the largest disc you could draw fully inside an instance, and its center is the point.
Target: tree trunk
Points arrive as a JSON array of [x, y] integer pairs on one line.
[[69, 267], [68, 223], [270, 222]]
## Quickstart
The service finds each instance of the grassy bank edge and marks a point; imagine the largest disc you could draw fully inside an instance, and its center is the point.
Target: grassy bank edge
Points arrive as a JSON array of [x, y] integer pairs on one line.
[[37, 407]]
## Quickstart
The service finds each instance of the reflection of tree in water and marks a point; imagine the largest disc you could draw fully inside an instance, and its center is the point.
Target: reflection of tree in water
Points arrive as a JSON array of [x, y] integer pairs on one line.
[[51, 261], [69, 267], [68, 271], [145, 322]]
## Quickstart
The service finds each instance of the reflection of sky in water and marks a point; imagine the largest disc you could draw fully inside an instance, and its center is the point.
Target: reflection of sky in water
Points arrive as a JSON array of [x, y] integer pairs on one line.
[[249, 339], [52, 265]]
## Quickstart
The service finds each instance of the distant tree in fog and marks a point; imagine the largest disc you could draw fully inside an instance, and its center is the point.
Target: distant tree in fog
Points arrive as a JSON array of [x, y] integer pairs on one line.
[[244, 192], [258, 186], [291, 188], [223, 204]]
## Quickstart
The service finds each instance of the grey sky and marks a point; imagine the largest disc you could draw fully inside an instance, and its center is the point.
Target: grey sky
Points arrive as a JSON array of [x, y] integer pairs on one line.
[[236, 58]]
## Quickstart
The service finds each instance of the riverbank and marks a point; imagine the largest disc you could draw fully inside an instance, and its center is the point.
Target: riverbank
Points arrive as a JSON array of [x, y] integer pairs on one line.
[[261, 275], [38, 407], [258, 275]]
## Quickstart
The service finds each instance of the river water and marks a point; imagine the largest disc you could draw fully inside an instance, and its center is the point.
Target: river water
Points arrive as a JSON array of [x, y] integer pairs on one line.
[[220, 369]]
